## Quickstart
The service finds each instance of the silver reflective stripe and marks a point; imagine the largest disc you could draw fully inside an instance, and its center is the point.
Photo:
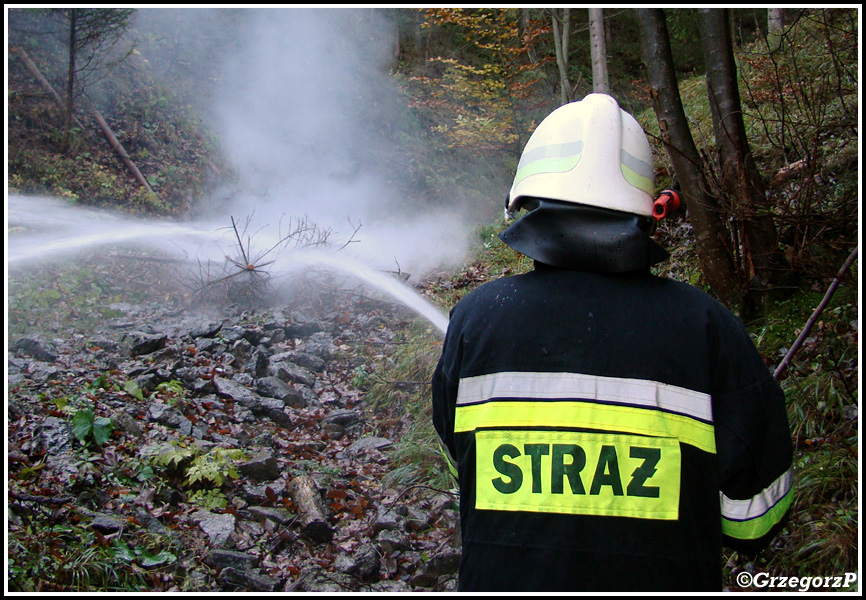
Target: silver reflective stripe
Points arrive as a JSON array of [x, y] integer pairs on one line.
[[550, 151], [760, 504], [637, 165], [561, 386]]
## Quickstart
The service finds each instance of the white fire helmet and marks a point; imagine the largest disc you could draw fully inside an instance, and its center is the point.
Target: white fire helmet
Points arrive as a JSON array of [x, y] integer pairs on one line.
[[589, 152]]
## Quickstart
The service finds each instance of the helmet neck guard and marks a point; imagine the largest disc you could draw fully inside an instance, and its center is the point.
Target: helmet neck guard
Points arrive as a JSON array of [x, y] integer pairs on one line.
[[585, 238]]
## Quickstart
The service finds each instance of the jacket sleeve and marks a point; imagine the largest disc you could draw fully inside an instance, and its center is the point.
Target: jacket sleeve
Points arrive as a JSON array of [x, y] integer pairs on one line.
[[753, 443], [444, 388]]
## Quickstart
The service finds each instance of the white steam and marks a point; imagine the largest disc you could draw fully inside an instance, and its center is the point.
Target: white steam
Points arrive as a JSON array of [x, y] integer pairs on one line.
[[303, 112]]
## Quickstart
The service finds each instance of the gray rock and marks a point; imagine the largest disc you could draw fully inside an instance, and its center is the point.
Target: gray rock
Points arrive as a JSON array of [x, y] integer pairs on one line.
[[262, 466], [429, 572], [166, 415], [54, 435], [126, 423], [212, 345], [138, 343], [343, 417], [290, 372], [42, 372], [258, 363], [391, 540], [386, 520], [320, 345], [106, 524], [206, 329], [217, 527], [35, 348], [390, 586], [308, 361], [302, 326], [257, 493], [273, 409], [221, 558], [366, 444], [277, 515], [366, 561], [240, 394], [249, 580]]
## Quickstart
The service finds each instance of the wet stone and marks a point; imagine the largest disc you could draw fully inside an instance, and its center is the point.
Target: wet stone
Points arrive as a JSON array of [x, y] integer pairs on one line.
[[206, 329], [138, 343], [320, 345], [252, 581], [166, 415], [309, 361], [445, 563], [237, 392], [290, 372], [54, 435], [222, 558], [277, 515], [217, 527], [258, 493], [38, 349], [262, 466], [391, 540], [106, 524]]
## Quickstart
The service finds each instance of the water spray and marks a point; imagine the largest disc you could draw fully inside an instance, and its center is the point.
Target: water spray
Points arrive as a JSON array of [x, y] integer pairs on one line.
[[89, 229]]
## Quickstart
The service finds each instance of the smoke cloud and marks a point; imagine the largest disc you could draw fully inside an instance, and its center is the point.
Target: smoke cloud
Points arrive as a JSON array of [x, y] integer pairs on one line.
[[306, 112]]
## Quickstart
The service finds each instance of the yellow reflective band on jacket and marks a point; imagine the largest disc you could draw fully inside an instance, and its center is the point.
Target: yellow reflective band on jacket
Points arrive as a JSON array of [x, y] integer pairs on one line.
[[586, 415], [755, 517], [578, 473], [452, 464]]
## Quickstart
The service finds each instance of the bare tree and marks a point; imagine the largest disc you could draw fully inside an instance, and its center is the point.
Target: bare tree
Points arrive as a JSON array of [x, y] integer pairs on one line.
[[600, 82], [561, 29], [740, 181], [91, 32], [704, 211]]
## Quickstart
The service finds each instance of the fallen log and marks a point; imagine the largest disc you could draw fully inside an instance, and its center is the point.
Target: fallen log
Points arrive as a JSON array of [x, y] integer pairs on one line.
[[118, 147], [815, 314], [311, 508], [106, 130], [37, 74]]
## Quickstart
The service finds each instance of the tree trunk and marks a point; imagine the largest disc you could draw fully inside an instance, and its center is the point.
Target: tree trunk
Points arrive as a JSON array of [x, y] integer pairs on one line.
[[70, 79], [716, 258], [598, 52], [740, 180], [560, 44]]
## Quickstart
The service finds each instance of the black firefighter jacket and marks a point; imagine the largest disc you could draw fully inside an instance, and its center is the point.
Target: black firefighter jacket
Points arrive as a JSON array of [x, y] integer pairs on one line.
[[609, 432]]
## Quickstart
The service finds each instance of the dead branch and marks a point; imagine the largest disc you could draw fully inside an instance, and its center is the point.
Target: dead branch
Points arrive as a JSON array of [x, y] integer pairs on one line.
[[815, 314]]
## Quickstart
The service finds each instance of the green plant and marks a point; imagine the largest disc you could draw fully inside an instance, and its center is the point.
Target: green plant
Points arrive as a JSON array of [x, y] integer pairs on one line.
[[201, 468], [214, 466], [208, 499], [88, 428], [70, 557]]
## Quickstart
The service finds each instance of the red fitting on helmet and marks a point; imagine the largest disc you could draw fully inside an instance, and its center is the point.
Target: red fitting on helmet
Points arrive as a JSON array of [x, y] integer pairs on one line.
[[667, 202]]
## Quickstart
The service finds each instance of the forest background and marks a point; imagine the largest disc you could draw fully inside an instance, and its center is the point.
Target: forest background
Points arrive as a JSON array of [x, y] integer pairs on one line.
[[469, 86]]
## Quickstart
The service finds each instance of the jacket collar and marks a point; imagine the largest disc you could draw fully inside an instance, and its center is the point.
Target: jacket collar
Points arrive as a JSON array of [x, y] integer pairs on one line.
[[584, 238]]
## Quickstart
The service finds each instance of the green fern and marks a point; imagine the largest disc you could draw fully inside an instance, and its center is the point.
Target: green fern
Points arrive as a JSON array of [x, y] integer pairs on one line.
[[214, 466], [177, 455]]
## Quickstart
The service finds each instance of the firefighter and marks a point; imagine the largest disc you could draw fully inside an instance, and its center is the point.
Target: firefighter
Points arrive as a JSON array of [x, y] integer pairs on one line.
[[609, 429]]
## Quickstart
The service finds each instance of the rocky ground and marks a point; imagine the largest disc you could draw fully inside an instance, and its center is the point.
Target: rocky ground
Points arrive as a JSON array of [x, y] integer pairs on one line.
[[211, 453]]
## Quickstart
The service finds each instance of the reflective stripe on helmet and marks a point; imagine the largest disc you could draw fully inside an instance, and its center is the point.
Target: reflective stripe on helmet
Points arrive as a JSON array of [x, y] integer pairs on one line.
[[589, 152], [637, 172]]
